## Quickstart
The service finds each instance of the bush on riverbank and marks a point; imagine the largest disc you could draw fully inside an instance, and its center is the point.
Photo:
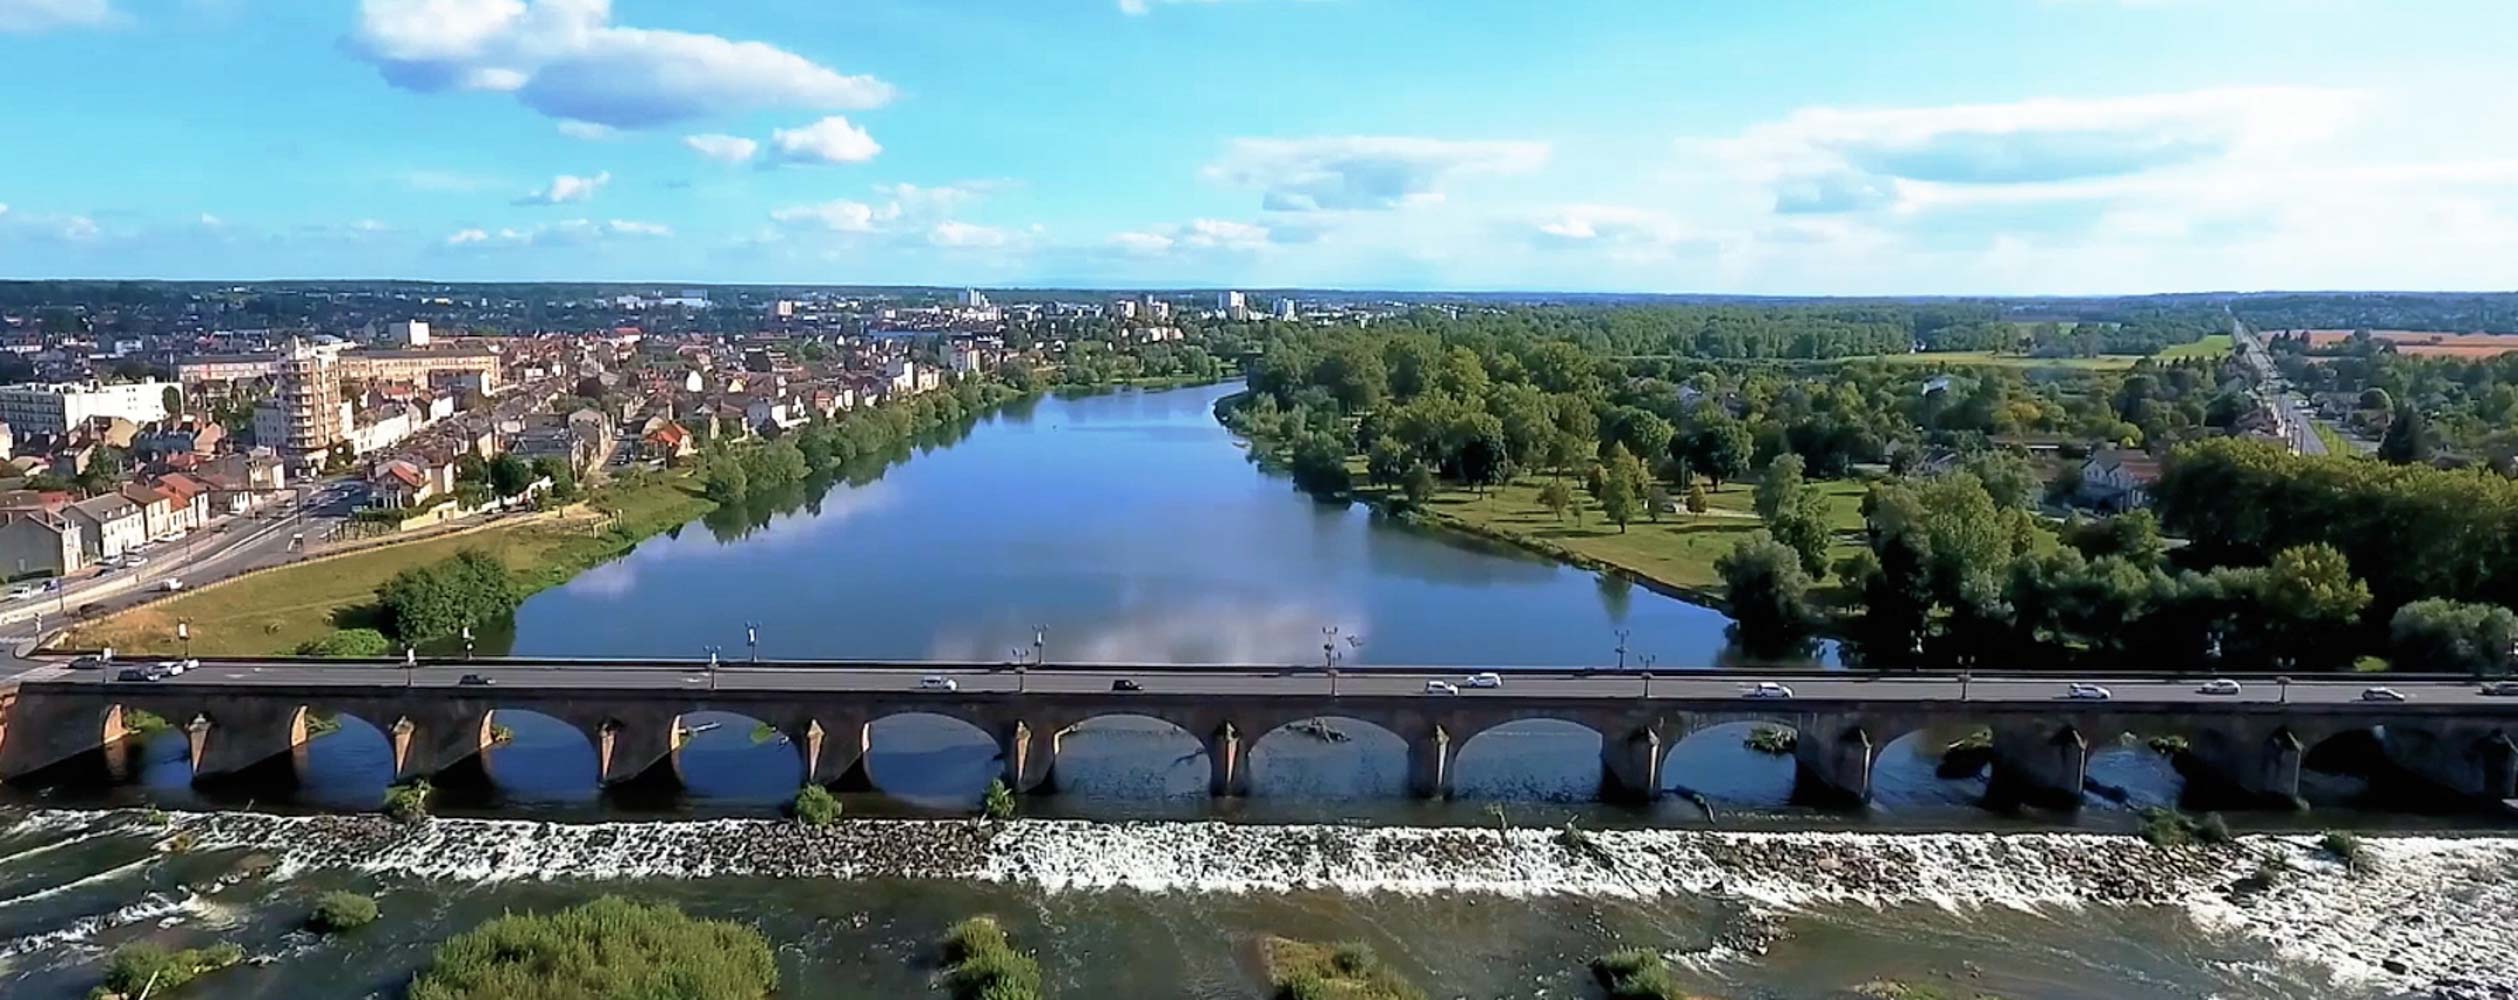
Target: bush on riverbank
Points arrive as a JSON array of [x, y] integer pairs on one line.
[[426, 602], [1303, 971], [2170, 828], [2346, 847], [607, 948], [141, 722], [981, 963], [408, 801], [815, 806], [144, 966], [998, 803], [1773, 740], [1637, 974], [349, 643], [341, 911]]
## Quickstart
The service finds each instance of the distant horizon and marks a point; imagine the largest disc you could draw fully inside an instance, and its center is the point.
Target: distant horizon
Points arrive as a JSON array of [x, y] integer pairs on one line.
[[1941, 148]]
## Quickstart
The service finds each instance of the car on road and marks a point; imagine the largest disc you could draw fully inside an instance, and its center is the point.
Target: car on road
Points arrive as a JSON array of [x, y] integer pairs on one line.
[[172, 668], [475, 680], [89, 608], [1767, 689], [2087, 692], [171, 584], [2218, 685], [88, 663], [2500, 689], [1126, 684], [1441, 687], [938, 682], [2383, 694], [1488, 679], [23, 591], [136, 674]]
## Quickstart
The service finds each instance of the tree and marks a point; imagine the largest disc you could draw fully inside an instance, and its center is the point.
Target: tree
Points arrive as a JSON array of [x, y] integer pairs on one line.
[[1319, 466], [1656, 499], [1720, 449], [1779, 486], [1766, 592], [469, 468], [1387, 462], [2409, 440], [2007, 477], [1697, 502], [173, 399], [1800, 523], [1621, 486], [1557, 497], [509, 475], [2442, 635], [2133, 535], [563, 479], [1418, 484], [425, 602], [723, 480]]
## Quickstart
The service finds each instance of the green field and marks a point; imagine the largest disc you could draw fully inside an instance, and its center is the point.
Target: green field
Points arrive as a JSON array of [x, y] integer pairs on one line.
[[277, 610], [1677, 551], [2215, 346]]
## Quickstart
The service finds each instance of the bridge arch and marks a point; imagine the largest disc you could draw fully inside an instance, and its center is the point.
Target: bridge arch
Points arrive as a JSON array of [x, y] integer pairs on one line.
[[1132, 756], [537, 757], [1943, 765], [1713, 759], [727, 756], [1328, 757], [347, 760], [934, 759], [1538, 759]]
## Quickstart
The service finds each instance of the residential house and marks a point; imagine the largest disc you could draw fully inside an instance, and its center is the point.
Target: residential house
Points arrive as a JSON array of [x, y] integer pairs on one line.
[[189, 498], [2118, 479], [157, 510], [669, 443], [410, 482], [108, 526], [33, 542]]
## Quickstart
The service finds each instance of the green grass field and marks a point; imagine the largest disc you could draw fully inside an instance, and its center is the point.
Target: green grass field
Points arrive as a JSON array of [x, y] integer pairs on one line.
[[277, 610], [1678, 550], [2215, 346]]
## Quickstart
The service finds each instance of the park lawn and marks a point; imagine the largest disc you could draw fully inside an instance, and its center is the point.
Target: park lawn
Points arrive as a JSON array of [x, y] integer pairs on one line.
[[1988, 359], [1678, 551], [2215, 346], [275, 611]]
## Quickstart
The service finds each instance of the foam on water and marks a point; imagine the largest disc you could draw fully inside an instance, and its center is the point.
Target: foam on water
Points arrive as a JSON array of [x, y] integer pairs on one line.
[[2428, 913]]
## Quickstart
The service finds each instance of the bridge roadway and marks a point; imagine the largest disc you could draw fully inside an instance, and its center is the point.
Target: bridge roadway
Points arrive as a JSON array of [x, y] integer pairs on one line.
[[2447, 739]]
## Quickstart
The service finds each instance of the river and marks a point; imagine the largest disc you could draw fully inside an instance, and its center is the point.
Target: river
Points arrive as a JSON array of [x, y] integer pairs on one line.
[[1135, 529]]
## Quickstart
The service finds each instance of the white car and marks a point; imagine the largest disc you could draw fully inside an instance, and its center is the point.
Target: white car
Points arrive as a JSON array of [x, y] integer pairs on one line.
[[2500, 689], [936, 682], [1490, 679], [170, 584], [2087, 692], [2219, 685], [1441, 687], [2382, 694], [172, 668], [1767, 689], [24, 591]]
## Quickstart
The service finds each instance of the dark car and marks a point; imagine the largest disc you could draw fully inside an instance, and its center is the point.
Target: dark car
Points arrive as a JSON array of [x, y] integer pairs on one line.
[[134, 674], [1126, 684], [475, 680]]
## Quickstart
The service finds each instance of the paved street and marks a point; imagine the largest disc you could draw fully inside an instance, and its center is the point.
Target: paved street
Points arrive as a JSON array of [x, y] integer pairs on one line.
[[1223, 681]]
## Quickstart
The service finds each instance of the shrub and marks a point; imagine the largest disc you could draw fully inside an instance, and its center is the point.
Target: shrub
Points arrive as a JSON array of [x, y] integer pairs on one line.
[[1304, 971], [607, 948], [2346, 847], [999, 802], [408, 802], [1636, 974], [141, 722], [2170, 828], [1772, 740], [815, 806], [341, 911], [981, 963], [349, 643], [144, 966], [425, 602]]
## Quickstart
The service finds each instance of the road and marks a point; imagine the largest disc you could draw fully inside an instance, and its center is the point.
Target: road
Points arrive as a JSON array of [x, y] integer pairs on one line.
[[1244, 682], [2297, 425]]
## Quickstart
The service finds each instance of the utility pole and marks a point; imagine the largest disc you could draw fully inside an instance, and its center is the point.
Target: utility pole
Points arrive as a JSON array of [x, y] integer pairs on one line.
[[1648, 659], [1329, 656], [467, 643], [712, 667], [752, 638], [1621, 647]]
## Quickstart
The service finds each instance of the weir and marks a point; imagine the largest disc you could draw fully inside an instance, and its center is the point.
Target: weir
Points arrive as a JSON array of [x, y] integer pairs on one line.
[[2250, 753]]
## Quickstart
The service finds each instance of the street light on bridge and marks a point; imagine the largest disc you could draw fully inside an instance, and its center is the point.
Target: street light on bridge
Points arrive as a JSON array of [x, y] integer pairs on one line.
[[712, 666], [752, 639], [1621, 647], [183, 631], [1329, 656], [1647, 660]]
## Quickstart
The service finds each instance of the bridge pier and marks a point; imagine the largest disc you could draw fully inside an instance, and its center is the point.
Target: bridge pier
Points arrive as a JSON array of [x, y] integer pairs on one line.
[[241, 738], [1029, 767], [31, 748], [1225, 778], [1631, 768], [1429, 765], [637, 751], [1833, 769], [2264, 775], [835, 756], [2467, 767], [2038, 767]]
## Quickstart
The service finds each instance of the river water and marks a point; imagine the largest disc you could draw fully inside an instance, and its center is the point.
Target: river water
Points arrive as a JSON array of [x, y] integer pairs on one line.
[[1132, 882]]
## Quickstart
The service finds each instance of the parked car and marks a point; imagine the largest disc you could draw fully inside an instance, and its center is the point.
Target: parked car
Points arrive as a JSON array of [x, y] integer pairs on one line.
[[1489, 679], [88, 663], [2087, 692], [172, 668], [2383, 694], [1441, 687], [170, 584], [475, 680], [24, 590], [1126, 684], [135, 674], [938, 682], [1767, 689], [2218, 685], [2501, 689]]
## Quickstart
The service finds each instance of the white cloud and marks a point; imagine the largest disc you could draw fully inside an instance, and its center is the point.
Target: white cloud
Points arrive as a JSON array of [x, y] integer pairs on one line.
[[564, 58], [722, 148], [629, 227], [963, 234], [831, 140], [1201, 234], [1139, 8], [30, 16], [209, 221], [1345, 173], [1602, 225], [838, 215], [80, 228], [569, 233], [567, 189], [591, 131], [462, 237]]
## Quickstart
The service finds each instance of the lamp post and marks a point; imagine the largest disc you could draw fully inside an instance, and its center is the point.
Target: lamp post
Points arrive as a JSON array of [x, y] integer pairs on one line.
[[712, 666], [752, 639], [2284, 682], [410, 665], [1964, 676], [183, 632], [1648, 659], [1329, 656], [467, 642]]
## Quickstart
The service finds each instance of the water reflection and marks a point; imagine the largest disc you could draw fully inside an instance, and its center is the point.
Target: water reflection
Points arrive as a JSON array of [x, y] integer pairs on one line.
[[1717, 763], [1132, 758], [533, 757], [731, 759], [931, 761], [1329, 758], [1536, 760]]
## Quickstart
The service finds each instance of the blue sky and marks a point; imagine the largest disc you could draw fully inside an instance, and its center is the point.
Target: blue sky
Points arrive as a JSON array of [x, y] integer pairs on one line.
[[1774, 146]]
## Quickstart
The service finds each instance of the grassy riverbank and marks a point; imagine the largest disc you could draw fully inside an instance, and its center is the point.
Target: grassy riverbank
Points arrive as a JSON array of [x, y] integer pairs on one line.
[[1674, 555], [275, 611]]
